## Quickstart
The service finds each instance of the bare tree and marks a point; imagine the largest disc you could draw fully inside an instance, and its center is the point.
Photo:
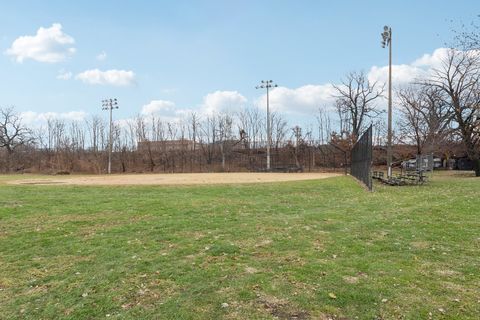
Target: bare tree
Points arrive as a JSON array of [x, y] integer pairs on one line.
[[425, 117], [143, 139], [120, 146], [279, 129], [172, 134], [192, 128], [356, 100], [458, 79], [40, 137], [95, 125], [324, 126], [225, 136], [379, 132], [13, 133], [468, 36], [77, 133], [96, 133], [194, 122], [344, 123], [297, 133], [251, 122], [209, 129]]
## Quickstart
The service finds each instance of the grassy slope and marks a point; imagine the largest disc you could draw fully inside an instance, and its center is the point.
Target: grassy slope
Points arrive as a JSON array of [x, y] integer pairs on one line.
[[307, 249]]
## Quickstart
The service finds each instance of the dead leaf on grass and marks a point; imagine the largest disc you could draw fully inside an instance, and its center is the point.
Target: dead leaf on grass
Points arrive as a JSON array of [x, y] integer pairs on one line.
[[332, 295]]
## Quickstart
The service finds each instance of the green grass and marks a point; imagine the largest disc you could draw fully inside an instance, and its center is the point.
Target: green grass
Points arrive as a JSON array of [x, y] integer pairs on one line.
[[301, 250]]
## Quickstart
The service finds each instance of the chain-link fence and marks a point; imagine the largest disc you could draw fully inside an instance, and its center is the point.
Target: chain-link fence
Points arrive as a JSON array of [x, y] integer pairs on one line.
[[361, 159]]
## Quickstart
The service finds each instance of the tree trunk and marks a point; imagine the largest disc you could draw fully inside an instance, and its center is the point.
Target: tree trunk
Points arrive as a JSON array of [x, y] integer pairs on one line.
[[476, 167]]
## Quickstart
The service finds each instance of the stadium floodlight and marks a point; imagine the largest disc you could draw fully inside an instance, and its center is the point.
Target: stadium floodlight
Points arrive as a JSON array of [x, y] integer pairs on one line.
[[387, 41], [386, 36], [268, 84], [110, 104]]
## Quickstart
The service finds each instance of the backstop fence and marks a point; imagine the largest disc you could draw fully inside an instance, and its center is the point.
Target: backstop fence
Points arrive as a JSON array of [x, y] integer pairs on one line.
[[361, 159]]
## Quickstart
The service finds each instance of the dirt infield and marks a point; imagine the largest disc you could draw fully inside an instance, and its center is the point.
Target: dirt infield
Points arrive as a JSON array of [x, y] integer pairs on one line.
[[171, 179]]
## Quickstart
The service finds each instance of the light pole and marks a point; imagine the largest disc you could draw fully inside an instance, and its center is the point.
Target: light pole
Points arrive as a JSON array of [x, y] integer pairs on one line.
[[267, 84], [387, 41], [110, 104]]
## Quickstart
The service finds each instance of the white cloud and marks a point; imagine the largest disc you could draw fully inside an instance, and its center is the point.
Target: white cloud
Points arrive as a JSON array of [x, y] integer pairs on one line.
[[222, 101], [125, 123], [433, 60], [213, 103], [406, 73], [110, 77], [306, 99], [33, 118], [165, 110], [102, 56], [158, 107], [64, 75], [48, 45], [401, 74]]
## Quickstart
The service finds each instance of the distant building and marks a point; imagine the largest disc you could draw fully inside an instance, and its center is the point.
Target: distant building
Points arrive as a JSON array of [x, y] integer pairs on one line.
[[167, 145], [232, 144]]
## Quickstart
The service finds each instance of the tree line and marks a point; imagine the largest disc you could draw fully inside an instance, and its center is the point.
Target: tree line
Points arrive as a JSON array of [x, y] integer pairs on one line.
[[222, 141]]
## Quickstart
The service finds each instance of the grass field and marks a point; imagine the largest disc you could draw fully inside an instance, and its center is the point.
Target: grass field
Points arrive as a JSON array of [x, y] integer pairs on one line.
[[314, 249]]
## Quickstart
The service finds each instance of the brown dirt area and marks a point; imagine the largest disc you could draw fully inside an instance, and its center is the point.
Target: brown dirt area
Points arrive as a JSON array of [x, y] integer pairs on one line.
[[171, 179]]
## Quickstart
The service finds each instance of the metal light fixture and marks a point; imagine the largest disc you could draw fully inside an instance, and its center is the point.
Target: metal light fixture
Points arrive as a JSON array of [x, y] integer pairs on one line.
[[387, 42], [268, 84], [386, 36], [110, 104]]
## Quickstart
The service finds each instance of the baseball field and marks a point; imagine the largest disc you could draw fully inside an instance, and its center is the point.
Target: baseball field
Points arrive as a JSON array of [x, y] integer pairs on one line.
[[238, 246]]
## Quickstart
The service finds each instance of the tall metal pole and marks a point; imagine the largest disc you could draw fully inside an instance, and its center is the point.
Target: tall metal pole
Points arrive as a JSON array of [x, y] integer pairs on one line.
[[267, 84], [110, 104], [110, 145], [387, 41], [269, 132], [389, 147]]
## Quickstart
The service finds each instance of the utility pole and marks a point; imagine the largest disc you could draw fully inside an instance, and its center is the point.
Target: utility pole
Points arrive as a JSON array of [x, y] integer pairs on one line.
[[387, 41], [267, 84], [297, 131], [110, 104]]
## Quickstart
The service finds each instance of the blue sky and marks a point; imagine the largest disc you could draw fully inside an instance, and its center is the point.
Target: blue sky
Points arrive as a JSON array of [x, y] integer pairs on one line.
[[181, 51]]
